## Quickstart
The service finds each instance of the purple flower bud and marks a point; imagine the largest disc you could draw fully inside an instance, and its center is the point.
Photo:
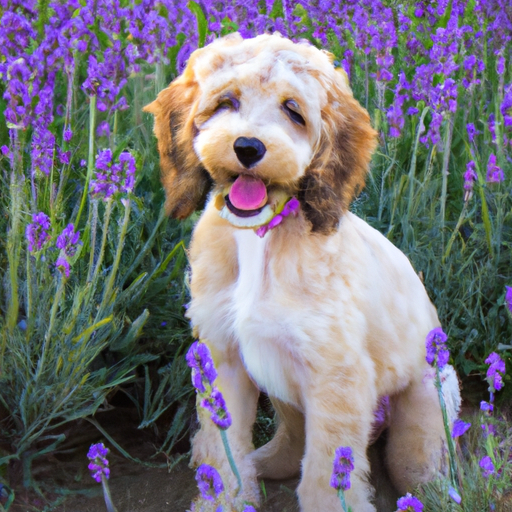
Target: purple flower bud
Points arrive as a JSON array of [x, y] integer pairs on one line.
[[409, 503], [470, 127], [486, 406], [209, 482], [342, 466], [494, 173], [199, 358], [37, 232], [437, 353], [454, 495], [487, 466], [459, 428], [495, 372], [68, 240], [5, 150], [68, 134], [62, 264], [508, 297], [217, 406], [99, 464]]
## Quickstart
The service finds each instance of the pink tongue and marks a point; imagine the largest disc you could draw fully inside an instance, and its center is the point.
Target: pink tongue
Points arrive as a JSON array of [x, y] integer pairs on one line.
[[248, 193]]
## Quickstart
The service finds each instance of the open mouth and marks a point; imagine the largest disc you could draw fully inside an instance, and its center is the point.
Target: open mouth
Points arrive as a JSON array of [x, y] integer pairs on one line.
[[247, 205]]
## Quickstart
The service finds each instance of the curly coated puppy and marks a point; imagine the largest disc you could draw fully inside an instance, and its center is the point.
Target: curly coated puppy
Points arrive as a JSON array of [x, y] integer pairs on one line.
[[294, 294]]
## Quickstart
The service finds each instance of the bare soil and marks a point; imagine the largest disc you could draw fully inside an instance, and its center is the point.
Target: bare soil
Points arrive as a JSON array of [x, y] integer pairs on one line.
[[67, 487]]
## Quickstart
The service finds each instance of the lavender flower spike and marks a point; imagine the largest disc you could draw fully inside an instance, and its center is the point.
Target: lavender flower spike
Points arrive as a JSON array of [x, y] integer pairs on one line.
[[343, 465], [495, 372], [217, 406], [200, 360], [437, 353], [37, 232], [409, 503], [67, 241], [99, 463], [209, 482]]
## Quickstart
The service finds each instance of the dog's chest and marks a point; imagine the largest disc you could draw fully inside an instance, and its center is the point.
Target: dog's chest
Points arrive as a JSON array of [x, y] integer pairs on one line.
[[261, 323]]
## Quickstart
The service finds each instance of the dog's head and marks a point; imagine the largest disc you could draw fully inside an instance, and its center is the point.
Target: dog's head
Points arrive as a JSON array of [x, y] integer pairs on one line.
[[270, 114]]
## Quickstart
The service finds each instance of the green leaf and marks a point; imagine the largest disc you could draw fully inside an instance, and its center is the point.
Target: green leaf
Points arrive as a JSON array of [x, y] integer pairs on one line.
[[133, 333], [202, 24]]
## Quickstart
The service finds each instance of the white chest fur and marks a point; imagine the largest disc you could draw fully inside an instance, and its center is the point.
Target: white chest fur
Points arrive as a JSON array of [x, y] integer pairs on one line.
[[261, 330]]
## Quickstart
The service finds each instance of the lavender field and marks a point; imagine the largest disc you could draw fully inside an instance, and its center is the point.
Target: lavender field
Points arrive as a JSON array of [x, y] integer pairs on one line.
[[92, 271]]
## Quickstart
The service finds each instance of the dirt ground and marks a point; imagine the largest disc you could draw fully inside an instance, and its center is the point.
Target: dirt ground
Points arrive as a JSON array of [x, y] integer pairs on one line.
[[135, 487]]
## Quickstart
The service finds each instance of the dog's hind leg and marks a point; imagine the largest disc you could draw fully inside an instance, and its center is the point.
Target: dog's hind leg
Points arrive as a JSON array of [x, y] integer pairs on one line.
[[416, 448], [281, 457]]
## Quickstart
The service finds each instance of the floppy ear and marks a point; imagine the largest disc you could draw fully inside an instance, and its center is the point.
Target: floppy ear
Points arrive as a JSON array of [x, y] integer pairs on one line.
[[185, 180], [338, 169]]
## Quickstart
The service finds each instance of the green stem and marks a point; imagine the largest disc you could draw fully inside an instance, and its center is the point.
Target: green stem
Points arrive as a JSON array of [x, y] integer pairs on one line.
[[462, 216], [106, 494], [90, 159], [412, 169], [341, 496], [231, 460], [446, 161], [53, 314], [94, 225], [449, 439], [106, 222], [122, 235]]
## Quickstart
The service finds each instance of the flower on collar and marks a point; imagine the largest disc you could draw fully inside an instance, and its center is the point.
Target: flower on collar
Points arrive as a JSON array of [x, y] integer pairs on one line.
[[290, 208]]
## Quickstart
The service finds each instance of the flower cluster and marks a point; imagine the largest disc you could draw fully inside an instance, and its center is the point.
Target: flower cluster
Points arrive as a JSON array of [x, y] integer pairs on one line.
[[112, 177], [343, 465], [437, 352], [290, 208], [409, 503], [209, 482], [37, 232], [98, 465], [199, 359], [495, 372], [67, 242]]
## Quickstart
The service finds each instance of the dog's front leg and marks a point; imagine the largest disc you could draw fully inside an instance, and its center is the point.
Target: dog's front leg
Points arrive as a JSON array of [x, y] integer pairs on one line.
[[241, 397], [336, 415]]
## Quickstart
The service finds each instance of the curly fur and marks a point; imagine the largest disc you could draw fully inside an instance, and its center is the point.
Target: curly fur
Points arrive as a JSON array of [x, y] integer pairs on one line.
[[323, 313]]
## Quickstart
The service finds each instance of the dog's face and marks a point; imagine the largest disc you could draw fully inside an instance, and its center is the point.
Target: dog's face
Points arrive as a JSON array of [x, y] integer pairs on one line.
[[275, 113]]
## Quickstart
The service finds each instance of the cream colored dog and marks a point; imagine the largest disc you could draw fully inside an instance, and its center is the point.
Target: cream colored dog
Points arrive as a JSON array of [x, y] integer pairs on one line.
[[309, 304]]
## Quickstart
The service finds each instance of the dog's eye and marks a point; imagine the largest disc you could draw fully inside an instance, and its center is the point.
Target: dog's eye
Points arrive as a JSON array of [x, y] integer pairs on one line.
[[227, 103], [292, 109]]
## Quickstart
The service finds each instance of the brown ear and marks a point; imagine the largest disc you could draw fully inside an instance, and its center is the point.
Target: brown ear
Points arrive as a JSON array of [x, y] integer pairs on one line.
[[338, 170], [185, 180]]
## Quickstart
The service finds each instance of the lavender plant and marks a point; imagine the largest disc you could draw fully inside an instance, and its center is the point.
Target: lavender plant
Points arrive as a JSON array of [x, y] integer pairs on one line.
[[98, 466], [436, 79], [343, 465]]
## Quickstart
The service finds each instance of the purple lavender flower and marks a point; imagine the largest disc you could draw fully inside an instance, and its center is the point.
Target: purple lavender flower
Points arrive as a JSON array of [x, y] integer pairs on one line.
[[68, 135], [249, 508], [495, 372], [62, 264], [486, 406], [409, 503], [37, 232], [472, 131], [68, 240], [487, 466], [5, 150], [209, 482], [113, 177], [343, 465], [494, 173], [99, 463], [199, 358], [437, 353], [459, 428], [454, 495], [508, 297], [103, 129], [216, 404]]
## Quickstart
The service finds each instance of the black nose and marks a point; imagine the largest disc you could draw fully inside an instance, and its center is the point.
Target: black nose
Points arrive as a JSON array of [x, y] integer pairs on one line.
[[249, 150]]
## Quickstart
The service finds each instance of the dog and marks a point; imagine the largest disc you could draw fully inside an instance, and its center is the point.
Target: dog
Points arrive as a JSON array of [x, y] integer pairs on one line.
[[295, 295]]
